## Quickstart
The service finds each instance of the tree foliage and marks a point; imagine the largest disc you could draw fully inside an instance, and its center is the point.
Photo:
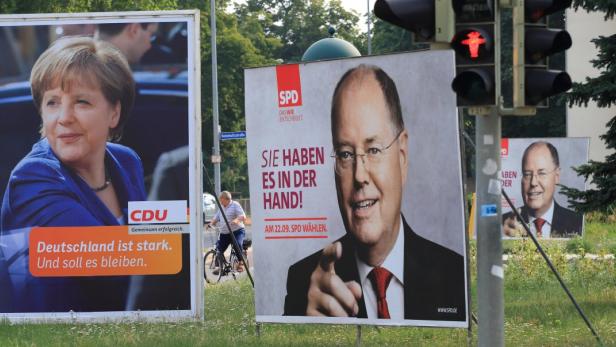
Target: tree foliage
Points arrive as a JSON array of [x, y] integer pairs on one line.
[[602, 91], [297, 24], [388, 38]]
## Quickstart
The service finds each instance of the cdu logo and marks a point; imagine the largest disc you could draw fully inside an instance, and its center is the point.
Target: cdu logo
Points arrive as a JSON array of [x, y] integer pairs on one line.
[[289, 85], [157, 212]]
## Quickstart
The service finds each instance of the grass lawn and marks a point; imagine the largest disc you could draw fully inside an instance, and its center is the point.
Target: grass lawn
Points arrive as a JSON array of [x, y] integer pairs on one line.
[[537, 313]]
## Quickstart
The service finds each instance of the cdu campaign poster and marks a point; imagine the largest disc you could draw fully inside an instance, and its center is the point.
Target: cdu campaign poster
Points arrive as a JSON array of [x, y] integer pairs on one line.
[[356, 191], [99, 117], [533, 170]]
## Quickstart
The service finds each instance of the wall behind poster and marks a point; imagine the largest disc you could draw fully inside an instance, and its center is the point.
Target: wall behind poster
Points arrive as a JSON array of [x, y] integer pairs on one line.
[[282, 124], [159, 130]]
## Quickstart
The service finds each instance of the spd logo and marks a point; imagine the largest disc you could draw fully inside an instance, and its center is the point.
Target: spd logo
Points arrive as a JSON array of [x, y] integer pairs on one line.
[[157, 212], [289, 85], [504, 148]]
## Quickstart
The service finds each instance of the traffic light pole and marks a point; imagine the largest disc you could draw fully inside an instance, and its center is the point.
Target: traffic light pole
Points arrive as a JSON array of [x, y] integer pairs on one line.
[[216, 149], [490, 273], [489, 247]]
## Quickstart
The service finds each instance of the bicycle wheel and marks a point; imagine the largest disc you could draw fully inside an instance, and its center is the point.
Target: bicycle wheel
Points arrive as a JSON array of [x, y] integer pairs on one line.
[[235, 260], [212, 271]]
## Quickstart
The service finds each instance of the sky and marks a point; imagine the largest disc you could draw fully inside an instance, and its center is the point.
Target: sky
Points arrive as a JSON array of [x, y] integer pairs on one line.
[[358, 5]]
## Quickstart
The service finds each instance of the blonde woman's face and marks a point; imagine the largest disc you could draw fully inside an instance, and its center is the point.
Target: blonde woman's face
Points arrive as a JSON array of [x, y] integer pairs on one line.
[[77, 121]]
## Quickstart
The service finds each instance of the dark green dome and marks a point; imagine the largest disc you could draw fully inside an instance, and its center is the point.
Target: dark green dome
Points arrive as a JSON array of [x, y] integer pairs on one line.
[[330, 48]]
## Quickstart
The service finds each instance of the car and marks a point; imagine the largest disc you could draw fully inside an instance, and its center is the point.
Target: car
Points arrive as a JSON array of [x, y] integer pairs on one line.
[[209, 207]]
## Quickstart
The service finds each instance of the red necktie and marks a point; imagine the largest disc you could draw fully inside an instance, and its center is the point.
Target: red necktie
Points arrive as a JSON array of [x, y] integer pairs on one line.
[[538, 224], [380, 279]]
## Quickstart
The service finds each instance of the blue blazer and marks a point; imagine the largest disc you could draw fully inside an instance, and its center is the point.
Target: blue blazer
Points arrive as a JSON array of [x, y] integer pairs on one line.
[[44, 192]]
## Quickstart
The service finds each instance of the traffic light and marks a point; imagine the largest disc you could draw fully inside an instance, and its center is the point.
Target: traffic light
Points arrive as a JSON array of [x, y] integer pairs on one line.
[[476, 47], [429, 20], [533, 43]]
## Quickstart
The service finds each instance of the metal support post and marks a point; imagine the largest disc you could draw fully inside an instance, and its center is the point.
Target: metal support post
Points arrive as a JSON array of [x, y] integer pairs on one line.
[[369, 32], [489, 247], [215, 97]]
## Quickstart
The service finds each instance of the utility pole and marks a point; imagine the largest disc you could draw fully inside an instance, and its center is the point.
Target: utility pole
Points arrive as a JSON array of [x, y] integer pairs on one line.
[[477, 83], [216, 126], [489, 247], [369, 33]]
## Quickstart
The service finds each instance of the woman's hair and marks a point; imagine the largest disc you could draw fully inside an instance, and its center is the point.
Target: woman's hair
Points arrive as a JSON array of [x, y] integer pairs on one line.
[[90, 61]]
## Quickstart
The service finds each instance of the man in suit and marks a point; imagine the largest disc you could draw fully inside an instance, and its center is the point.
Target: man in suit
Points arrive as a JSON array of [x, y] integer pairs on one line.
[[132, 39], [380, 269], [546, 218]]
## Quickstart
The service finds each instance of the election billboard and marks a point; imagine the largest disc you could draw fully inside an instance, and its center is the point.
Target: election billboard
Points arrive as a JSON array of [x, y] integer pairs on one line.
[[533, 171], [100, 130], [356, 191]]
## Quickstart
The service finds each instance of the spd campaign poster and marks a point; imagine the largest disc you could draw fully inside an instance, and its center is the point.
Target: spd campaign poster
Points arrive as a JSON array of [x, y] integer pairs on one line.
[[99, 114], [356, 192], [533, 171]]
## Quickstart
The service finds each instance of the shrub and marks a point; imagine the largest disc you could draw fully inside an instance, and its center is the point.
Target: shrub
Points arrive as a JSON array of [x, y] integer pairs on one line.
[[600, 217], [579, 245]]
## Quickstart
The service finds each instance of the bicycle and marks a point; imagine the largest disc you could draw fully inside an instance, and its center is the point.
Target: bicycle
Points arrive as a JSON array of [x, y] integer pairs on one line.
[[215, 264]]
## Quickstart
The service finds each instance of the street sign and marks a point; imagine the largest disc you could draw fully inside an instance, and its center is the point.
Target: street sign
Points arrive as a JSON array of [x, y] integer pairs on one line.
[[236, 135]]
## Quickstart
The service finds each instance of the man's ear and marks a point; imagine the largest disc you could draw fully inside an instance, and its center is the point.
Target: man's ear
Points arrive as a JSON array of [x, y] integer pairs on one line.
[[403, 152], [557, 175]]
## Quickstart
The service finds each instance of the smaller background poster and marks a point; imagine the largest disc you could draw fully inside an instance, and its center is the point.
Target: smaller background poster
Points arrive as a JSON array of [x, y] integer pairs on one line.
[[572, 152]]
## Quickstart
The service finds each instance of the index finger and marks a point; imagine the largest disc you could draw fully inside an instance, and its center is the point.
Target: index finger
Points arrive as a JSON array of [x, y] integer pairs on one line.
[[510, 222], [330, 255]]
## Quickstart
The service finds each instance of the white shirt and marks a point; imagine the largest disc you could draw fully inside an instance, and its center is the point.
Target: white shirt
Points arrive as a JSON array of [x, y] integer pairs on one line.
[[232, 211], [547, 226], [394, 263]]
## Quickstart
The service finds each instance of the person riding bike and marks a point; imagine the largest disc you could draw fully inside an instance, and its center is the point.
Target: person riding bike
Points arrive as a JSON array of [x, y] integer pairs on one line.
[[236, 217]]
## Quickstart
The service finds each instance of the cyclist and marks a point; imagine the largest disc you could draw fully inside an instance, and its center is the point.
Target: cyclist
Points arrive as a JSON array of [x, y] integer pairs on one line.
[[236, 217]]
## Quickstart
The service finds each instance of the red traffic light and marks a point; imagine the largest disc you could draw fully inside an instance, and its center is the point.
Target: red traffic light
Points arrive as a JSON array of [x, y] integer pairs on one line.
[[473, 41], [474, 44]]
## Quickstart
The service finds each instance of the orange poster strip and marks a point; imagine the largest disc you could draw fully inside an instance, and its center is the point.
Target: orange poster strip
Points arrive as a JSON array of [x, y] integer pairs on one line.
[[102, 251]]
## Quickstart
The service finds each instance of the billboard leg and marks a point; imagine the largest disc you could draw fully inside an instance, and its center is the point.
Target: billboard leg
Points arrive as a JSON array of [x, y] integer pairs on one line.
[[358, 337], [489, 248]]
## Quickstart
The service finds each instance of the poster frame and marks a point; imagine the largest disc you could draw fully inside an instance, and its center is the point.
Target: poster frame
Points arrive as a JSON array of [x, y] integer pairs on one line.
[[192, 18]]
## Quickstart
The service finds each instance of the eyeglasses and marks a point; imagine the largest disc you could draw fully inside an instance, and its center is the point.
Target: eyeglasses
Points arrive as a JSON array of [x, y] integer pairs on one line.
[[541, 174], [346, 158]]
